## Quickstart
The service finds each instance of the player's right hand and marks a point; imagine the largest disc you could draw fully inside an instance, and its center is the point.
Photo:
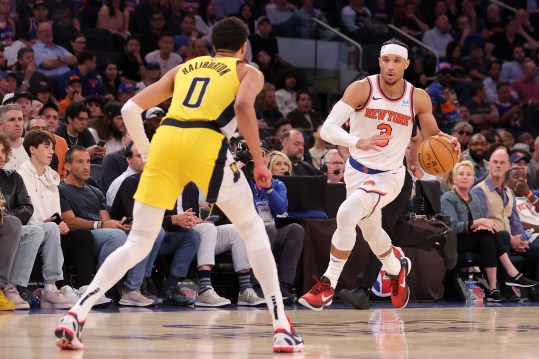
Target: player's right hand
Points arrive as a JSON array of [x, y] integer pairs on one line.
[[373, 142], [262, 176]]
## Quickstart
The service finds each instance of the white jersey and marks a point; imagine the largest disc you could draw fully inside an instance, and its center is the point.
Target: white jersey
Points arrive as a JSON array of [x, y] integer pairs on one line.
[[383, 115]]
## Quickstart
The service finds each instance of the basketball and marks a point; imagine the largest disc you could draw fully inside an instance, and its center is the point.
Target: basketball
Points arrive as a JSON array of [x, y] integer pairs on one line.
[[437, 155]]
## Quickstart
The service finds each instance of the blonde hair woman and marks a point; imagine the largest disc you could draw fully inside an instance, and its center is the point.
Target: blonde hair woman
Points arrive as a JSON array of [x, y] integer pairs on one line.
[[279, 164], [476, 233]]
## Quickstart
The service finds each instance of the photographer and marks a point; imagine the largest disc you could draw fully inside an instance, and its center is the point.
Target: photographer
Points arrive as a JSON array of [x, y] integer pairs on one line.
[[287, 241]]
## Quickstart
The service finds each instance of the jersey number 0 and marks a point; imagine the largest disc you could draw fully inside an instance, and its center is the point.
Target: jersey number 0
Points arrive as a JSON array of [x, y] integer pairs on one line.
[[196, 92]]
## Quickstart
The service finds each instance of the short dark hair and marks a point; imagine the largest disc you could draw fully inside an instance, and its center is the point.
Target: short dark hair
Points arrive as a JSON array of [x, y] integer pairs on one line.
[[72, 150], [166, 34], [303, 92], [23, 51], [7, 147], [34, 138], [47, 105], [84, 56], [395, 42], [74, 109], [229, 34]]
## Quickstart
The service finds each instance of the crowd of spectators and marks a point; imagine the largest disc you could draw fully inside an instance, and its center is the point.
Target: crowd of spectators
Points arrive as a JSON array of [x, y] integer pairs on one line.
[[67, 67]]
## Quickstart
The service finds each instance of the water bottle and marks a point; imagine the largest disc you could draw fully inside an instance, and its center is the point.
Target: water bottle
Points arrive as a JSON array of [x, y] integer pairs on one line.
[[528, 234], [471, 297]]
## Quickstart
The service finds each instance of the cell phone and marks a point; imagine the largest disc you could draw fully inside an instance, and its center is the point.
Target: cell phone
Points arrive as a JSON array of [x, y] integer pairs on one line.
[[212, 218], [102, 143], [128, 220], [58, 219]]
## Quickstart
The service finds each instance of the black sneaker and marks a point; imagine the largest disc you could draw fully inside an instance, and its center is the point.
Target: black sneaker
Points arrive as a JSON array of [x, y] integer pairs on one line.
[[289, 297], [495, 296], [520, 281], [179, 296], [29, 296], [357, 298]]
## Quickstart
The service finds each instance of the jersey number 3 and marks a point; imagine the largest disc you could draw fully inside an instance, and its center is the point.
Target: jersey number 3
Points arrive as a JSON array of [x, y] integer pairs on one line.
[[196, 92], [385, 129]]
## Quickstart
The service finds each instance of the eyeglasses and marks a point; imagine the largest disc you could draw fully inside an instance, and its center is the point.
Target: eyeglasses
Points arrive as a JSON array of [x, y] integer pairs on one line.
[[467, 133], [38, 128], [336, 163]]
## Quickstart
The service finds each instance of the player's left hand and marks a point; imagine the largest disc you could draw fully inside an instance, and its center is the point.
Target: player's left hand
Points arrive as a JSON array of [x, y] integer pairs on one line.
[[262, 176], [454, 141]]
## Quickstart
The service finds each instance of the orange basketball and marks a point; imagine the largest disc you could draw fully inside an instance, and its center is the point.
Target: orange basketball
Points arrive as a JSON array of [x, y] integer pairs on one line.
[[437, 155]]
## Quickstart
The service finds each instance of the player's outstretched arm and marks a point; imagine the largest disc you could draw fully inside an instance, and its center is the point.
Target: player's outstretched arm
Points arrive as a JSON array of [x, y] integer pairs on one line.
[[354, 96], [251, 83], [151, 96]]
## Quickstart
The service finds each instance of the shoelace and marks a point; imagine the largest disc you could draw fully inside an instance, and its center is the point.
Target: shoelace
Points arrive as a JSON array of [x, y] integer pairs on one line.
[[319, 286]]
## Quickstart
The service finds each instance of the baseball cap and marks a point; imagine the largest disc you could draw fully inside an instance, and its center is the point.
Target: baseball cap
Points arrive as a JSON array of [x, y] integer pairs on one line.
[[154, 112], [112, 109], [7, 73], [443, 66], [93, 98], [515, 157], [126, 87], [43, 87], [262, 18], [39, 3], [8, 98], [22, 94], [72, 79], [153, 65]]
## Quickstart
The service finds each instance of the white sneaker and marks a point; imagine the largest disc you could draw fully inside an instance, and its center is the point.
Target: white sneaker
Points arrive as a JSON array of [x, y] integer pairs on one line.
[[101, 302], [54, 299], [210, 298], [135, 298], [249, 297], [70, 294], [12, 294]]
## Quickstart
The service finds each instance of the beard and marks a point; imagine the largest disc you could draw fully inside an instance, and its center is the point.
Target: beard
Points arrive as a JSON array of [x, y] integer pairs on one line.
[[477, 156]]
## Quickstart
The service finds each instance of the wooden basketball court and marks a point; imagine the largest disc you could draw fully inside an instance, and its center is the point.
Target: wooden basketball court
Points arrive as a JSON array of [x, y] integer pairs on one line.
[[450, 330]]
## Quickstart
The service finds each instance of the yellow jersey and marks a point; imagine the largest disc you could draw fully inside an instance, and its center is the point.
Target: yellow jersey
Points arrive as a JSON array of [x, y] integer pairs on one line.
[[205, 89]]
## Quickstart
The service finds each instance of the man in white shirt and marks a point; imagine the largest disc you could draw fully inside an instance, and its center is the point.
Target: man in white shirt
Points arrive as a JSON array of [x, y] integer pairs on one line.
[[11, 124], [135, 165], [164, 56]]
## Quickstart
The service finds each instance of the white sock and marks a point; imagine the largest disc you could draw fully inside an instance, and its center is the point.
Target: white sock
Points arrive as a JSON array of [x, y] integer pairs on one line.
[[241, 212], [334, 270], [391, 263]]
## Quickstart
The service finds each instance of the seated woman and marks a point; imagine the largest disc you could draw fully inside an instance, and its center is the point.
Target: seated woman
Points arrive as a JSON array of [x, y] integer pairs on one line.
[[478, 234], [287, 241]]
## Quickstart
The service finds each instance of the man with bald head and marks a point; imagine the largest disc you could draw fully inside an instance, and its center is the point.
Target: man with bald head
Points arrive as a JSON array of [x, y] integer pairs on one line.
[[52, 60], [499, 204], [477, 146]]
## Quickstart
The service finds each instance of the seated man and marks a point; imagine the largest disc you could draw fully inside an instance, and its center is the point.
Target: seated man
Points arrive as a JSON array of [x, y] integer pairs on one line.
[[83, 207], [527, 202], [42, 237], [10, 235], [179, 240], [333, 166], [293, 145], [42, 185], [217, 240], [114, 164], [499, 204]]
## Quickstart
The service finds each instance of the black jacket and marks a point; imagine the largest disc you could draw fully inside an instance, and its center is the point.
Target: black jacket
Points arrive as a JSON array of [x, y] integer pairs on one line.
[[18, 202]]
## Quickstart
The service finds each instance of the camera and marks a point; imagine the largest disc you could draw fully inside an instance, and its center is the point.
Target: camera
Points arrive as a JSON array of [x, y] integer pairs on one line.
[[242, 154]]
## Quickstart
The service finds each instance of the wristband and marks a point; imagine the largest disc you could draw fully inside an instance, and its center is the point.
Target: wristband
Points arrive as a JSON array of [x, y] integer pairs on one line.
[[100, 224], [96, 223], [529, 195], [536, 200]]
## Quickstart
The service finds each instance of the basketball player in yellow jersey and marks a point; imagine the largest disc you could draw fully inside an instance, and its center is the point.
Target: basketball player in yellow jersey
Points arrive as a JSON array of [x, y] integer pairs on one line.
[[191, 145], [382, 110]]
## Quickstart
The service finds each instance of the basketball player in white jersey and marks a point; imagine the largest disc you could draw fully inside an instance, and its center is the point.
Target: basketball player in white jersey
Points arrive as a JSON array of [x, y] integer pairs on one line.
[[382, 110]]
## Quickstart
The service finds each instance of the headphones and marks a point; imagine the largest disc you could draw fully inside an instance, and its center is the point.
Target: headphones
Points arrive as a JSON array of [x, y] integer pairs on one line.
[[128, 151], [323, 165]]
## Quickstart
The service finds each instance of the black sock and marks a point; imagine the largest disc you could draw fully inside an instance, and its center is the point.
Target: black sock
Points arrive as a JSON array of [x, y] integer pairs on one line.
[[204, 281]]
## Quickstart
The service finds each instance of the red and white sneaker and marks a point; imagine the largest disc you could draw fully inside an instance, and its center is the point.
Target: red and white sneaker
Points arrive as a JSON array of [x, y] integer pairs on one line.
[[287, 341], [320, 295], [69, 332], [400, 293]]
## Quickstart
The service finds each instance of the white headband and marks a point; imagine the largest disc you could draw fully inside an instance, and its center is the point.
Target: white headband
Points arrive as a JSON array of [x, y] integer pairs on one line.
[[394, 49]]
